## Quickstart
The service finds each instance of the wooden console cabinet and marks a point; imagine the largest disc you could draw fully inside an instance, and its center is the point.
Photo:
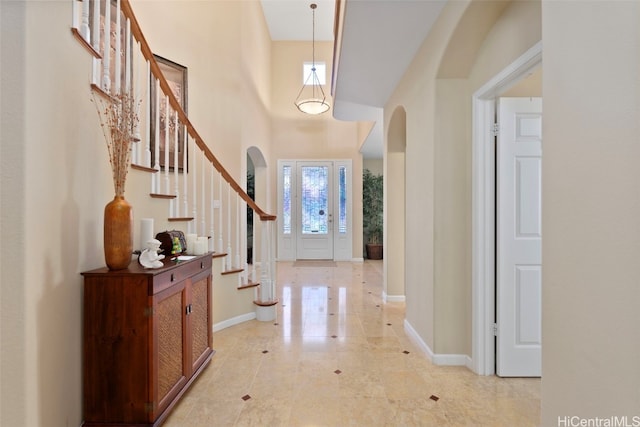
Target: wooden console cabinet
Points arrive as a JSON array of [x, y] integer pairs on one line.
[[147, 336]]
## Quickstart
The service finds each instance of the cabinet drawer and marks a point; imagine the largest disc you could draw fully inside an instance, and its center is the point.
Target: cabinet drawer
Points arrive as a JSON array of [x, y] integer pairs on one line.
[[180, 272]]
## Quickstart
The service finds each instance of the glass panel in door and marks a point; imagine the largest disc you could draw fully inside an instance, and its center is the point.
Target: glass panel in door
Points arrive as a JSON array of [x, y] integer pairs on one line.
[[315, 239]]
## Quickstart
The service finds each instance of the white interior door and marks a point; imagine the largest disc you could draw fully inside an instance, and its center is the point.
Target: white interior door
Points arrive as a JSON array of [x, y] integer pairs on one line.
[[314, 210], [519, 237]]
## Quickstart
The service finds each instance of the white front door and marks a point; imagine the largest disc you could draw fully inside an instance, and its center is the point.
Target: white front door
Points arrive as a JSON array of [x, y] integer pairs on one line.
[[519, 237], [314, 210]]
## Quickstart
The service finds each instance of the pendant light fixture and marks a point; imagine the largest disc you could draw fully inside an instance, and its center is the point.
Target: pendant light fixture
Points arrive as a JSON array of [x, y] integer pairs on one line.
[[311, 98]]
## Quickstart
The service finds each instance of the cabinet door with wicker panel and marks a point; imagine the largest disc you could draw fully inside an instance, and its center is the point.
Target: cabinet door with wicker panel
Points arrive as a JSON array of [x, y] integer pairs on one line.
[[168, 367], [147, 336], [198, 321], [182, 333]]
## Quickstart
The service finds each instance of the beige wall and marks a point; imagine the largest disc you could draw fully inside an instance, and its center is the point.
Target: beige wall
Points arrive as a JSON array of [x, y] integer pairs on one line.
[[394, 207], [56, 176], [590, 198], [591, 206], [436, 93], [55, 183], [452, 172], [60, 177], [229, 65]]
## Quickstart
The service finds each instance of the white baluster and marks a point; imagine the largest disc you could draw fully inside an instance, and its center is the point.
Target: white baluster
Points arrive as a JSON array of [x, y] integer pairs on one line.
[[118, 48], [156, 142], [265, 284], [147, 143], [128, 63], [185, 181], [96, 25], [203, 227], [176, 163], [97, 63], [74, 14], [271, 229], [229, 250], [256, 296], [243, 241], [254, 266], [212, 234], [220, 241], [106, 55], [194, 171], [85, 31], [237, 260], [166, 146], [128, 60]]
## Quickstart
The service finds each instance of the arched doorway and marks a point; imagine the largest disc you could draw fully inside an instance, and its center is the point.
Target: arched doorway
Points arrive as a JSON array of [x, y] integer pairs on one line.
[[394, 206], [256, 189]]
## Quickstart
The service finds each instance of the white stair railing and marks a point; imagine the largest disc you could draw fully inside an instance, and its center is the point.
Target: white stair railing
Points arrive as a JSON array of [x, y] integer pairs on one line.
[[128, 65]]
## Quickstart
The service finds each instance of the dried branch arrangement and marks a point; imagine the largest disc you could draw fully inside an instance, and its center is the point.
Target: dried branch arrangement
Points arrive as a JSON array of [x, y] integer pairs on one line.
[[119, 118]]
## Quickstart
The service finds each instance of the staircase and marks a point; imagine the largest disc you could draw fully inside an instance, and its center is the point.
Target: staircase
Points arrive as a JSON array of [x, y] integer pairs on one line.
[[191, 189]]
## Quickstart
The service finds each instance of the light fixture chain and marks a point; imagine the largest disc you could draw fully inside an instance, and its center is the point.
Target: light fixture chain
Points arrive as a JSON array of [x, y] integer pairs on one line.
[[313, 37], [315, 104]]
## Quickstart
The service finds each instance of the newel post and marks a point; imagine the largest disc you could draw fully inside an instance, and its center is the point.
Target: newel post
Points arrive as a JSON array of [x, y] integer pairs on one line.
[[266, 303]]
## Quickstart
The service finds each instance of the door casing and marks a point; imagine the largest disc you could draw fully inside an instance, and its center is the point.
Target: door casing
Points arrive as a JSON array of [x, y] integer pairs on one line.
[[342, 241], [483, 208]]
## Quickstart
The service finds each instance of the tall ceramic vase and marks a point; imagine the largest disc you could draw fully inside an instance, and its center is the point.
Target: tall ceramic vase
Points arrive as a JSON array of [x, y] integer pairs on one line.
[[118, 233]]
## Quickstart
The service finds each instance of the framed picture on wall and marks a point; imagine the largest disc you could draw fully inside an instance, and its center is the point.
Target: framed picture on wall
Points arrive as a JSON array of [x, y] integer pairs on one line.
[[163, 128]]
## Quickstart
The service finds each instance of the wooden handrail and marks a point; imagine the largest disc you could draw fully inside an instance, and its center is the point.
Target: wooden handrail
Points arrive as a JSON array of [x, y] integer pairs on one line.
[[164, 85]]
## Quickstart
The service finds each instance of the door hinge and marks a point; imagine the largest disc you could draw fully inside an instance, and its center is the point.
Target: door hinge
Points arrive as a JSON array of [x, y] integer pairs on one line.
[[149, 311], [496, 129], [149, 406], [495, 329]]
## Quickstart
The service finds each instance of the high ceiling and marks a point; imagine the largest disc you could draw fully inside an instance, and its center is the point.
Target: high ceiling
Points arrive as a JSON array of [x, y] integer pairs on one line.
[[379, 40], [292, 20]]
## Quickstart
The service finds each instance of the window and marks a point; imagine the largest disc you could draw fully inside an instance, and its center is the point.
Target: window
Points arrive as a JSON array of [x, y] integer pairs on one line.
[[286, 200], [342, 200], [315, 203], [320, 71]]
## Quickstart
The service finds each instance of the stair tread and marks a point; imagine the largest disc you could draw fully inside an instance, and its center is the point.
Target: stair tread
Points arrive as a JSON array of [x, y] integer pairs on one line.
[[249, 285], [143, 168], [232, 271], [265, 303]]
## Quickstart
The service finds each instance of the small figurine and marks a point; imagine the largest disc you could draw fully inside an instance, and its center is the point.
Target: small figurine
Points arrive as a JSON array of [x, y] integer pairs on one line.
[[149, 258]]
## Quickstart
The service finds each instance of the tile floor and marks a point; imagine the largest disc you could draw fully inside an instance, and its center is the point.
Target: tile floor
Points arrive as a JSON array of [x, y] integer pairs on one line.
[[337, 356]]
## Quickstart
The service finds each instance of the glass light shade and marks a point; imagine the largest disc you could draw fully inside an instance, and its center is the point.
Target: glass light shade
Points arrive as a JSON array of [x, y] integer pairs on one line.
[[312, 106]]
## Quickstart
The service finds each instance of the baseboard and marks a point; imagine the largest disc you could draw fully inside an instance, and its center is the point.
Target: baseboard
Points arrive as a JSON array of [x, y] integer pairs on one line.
[[452, 360], [436, 359], [357, 259], [392, 298], [234, 321]]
